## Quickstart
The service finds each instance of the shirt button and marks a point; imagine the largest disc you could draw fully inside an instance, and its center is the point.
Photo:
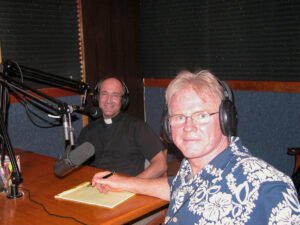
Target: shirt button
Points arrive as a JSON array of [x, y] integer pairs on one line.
[[175, 219]]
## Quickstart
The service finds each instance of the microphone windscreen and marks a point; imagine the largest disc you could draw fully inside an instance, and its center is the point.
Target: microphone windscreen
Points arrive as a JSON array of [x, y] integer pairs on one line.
[[74, 159], [82, 153]]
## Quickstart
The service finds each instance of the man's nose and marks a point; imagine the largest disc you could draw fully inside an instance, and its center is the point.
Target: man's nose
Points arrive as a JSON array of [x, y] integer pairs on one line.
[[109, 98], [188, 125]]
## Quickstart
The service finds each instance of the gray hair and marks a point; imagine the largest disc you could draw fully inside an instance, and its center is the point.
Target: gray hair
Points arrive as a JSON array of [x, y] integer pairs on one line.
[[203, 82]]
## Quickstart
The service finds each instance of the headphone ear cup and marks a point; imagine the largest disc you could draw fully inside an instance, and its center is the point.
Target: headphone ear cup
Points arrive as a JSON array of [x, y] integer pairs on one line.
[[125, 97], [95, 97], [125, 101], [166, 128], [167, 135], [228, 117]]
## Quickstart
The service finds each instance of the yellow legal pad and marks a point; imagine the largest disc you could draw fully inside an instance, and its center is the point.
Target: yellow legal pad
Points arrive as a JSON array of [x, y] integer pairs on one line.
[[85, 193]]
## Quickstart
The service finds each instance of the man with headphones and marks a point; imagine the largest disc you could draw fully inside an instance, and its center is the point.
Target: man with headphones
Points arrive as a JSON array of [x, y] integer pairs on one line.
[[219, 181], [122, 142]]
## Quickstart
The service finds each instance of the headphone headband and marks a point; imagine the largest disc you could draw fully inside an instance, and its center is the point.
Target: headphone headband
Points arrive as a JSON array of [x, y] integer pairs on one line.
[[226, 90], [227, 115]]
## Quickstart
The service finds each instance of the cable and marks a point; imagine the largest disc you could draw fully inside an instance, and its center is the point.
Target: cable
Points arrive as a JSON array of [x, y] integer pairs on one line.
[[19, 69], [30, 113], [25, 103], [49, 213]]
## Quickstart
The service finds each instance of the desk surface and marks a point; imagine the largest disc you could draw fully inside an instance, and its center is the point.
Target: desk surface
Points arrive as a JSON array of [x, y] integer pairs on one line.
[[39, 179]]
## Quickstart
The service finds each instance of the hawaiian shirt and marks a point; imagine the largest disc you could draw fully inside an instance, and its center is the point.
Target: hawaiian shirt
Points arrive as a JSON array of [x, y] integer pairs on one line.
[[235, 188]]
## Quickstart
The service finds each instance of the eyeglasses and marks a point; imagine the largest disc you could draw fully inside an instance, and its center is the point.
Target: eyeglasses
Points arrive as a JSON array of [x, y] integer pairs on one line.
[[199, 117], [114, 96]]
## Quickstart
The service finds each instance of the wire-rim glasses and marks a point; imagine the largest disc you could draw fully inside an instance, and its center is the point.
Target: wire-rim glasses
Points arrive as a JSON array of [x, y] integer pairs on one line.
[[199, 117]]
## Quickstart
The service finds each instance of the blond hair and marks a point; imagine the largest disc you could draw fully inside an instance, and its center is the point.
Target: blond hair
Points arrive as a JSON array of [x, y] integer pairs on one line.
[[203, 82]]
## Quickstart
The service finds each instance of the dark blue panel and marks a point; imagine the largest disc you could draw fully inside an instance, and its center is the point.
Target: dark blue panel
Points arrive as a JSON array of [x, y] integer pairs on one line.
[[269, 123], [47, 141]]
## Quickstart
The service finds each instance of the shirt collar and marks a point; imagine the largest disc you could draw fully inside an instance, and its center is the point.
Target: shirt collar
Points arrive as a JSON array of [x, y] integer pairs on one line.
[[113, 120], [213, 168]]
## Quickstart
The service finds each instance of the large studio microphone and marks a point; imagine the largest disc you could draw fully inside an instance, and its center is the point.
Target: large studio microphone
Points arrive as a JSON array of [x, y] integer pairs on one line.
[[72, 159], [91, 111]]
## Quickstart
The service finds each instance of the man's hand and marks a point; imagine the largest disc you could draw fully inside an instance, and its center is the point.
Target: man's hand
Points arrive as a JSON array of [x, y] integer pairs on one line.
[[108, 181], [156, 187]]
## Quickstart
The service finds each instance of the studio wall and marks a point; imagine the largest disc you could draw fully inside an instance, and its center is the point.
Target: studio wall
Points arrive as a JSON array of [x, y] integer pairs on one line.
[[268, 124]]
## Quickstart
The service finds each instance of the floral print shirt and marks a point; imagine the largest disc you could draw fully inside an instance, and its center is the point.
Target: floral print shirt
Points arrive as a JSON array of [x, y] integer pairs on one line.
[[235, 188]]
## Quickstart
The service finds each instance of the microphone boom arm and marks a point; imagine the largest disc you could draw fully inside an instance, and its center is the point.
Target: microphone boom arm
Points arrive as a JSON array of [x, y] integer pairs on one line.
[[44, 77], [47, 103], [57, 106]]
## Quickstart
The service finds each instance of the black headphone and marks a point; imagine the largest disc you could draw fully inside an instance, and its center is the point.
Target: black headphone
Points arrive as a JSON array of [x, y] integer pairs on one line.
[[125, 96], [227, 112], [227, 115]]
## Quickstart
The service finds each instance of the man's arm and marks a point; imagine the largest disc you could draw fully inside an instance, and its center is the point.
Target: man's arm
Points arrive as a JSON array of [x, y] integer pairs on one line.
[[156, 187], [158, 166]]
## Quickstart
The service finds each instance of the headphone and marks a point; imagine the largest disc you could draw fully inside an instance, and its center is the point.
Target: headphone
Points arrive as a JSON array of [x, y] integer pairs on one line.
[[125, 96], [227, 115]]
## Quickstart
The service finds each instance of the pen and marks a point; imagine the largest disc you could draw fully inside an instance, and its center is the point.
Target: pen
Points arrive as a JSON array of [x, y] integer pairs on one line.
[[108, 175]]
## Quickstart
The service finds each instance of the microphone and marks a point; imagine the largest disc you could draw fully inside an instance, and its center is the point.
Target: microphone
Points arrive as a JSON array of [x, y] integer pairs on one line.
[[73, 158], [91, 111]]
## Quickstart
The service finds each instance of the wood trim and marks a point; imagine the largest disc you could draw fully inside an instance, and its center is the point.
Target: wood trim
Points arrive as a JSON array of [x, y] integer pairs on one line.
[[52, 92], [81, 49], [157, 82], [81, 40], [268, 86]]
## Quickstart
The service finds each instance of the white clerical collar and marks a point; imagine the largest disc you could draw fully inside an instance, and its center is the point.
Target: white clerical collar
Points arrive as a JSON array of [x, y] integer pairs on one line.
[[108, 121]]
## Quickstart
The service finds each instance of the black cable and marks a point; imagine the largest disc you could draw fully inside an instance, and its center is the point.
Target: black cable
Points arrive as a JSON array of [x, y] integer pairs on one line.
[[19, 69], [49, 213], [30, 113], [25, 103]]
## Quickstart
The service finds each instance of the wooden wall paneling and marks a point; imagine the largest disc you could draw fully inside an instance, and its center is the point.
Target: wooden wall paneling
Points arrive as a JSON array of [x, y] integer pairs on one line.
[[110, 33], [81, 49]]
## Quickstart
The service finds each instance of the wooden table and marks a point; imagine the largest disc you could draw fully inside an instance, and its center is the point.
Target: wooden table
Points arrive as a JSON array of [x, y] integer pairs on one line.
[[40, 181]]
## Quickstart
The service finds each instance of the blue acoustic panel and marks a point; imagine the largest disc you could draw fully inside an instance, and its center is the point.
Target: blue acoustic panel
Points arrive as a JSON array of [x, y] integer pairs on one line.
[[154, 106], [268, 124], [48, 141]]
